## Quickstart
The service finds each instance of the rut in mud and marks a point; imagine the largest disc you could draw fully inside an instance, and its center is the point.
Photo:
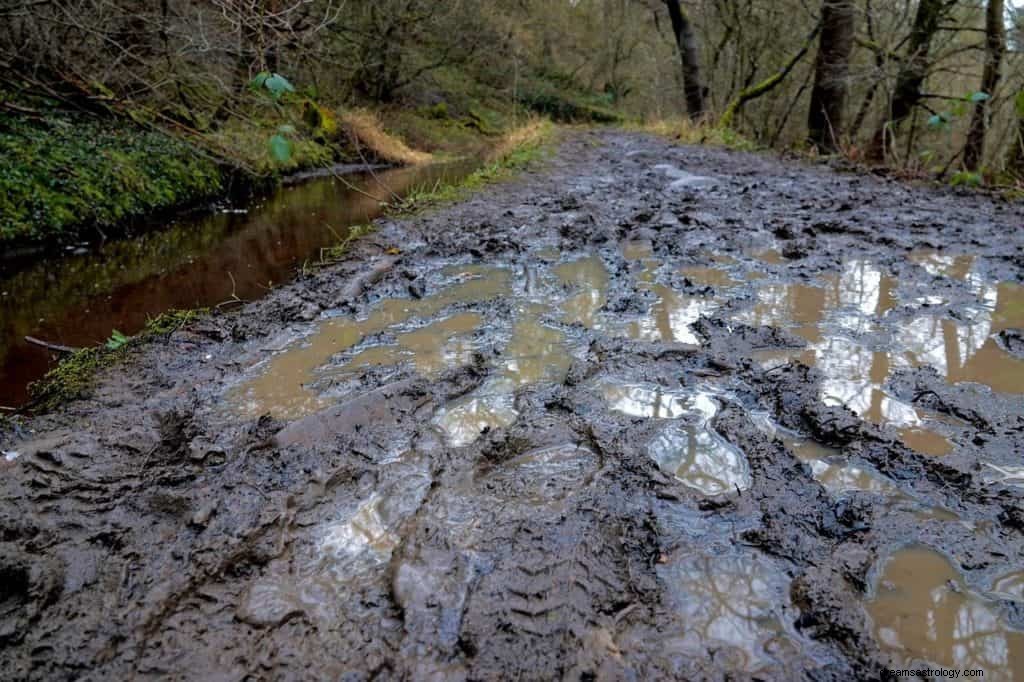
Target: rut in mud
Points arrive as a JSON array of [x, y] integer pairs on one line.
[[650, 411]]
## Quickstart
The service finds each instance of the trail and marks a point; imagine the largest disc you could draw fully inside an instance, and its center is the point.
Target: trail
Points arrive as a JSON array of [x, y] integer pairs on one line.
[[647, 411]]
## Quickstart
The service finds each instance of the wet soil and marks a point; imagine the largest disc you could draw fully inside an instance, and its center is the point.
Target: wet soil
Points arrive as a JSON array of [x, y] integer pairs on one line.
[[648, 411]]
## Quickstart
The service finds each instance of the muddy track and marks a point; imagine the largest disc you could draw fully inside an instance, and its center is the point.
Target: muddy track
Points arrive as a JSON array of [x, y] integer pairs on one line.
[[649, 411]]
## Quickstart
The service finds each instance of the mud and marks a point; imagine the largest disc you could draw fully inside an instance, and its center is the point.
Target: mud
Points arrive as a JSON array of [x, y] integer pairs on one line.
[[649, 411]]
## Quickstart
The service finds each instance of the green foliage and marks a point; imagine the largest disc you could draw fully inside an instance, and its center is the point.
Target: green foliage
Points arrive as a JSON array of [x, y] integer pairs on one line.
[[939, 121], [275, 84], [65, 173], [280, 148], [966, 179], [1018, 104], [116, 340], [565, 109]]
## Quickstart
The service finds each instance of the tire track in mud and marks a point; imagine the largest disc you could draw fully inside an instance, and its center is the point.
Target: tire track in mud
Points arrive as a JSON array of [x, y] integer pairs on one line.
[[594, 474]]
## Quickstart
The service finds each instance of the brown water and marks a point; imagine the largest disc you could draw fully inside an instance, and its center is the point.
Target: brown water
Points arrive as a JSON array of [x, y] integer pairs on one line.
[[924, 611], [283, 389], [78, 300]]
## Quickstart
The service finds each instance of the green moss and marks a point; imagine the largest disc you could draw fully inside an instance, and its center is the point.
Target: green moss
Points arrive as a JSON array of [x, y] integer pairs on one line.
[[64, 173], [75, 376]]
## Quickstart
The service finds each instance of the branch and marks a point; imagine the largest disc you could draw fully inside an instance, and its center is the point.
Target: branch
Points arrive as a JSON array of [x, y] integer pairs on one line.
[[768, 84]]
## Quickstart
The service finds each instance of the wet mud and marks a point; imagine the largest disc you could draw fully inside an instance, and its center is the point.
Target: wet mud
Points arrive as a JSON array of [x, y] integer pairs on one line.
[[646, 412]]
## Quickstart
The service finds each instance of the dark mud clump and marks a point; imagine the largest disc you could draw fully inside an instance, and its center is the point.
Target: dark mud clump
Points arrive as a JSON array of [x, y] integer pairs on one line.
[[648, 412]]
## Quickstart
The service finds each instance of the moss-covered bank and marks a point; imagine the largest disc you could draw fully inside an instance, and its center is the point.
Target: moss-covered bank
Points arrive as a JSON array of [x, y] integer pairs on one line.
[[63, 173]]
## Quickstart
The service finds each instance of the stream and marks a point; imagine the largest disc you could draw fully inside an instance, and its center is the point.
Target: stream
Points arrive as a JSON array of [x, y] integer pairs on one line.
[[193, 262]]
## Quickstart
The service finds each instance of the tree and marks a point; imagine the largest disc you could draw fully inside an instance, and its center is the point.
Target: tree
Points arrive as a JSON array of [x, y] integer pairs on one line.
[[912, 72], [686, 43], [831, 74], [995, 47]]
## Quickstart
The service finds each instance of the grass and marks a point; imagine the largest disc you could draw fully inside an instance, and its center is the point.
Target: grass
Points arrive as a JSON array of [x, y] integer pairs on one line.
[[515, 150], [685, 131], [75, 376], [366, 131]]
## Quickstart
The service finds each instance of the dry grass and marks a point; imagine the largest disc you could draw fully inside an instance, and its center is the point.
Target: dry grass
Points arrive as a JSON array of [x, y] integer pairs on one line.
[[366, 131], [530, 134], [685, 131]]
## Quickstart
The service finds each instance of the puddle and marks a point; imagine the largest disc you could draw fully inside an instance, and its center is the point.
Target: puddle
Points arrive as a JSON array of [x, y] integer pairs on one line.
[[710, 277], [536, 353], [924, 611], [650, 401], [701, 459], [771, 257], [688, 448], [283, 390], [941, 265], [362, 535], [492, 406], [797, 306], [1009, 587], [830, 468], [1007, 475], [854, 377], [733, 605], [432, 349], [670, 318], [588, 277], [346, 549], [967, 351], [837, 476]]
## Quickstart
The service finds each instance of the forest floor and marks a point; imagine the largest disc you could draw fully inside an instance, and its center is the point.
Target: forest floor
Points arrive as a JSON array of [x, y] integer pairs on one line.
[[645, 411]]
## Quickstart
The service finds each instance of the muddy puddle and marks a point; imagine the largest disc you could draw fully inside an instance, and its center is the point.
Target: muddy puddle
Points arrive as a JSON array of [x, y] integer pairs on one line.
[[924, 613], [237, 251], [735, 605]]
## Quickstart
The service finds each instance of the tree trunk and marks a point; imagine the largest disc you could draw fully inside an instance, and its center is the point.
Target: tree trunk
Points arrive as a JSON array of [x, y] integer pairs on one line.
[[686, 41], [1015, 158], [912, 72], [831, 72], [995, 46]]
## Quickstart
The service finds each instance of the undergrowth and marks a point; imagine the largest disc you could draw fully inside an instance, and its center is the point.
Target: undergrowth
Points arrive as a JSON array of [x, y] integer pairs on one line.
[[74, 377], [685, 131], [64, 172]]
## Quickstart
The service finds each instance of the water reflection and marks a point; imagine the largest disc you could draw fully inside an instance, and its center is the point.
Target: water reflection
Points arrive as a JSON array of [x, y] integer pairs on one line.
[[670, 318], [730, 605], [651, 401], [492, 406], [923, 610], [701, 459], [967, 350], [431, 349], [196, 262], [588, 278]]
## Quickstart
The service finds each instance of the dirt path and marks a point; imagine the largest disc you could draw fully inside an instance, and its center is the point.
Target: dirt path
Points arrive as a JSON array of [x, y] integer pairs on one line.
[[651, 411]]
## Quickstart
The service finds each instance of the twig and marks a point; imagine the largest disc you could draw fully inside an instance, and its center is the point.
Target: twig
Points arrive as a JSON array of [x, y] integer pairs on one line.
[[51, 346]]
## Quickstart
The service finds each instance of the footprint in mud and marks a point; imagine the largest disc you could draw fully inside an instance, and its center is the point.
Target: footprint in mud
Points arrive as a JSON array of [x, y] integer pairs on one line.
[[923, 611], [687, 446], [492, 406], [735, 605], [542, 476]]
